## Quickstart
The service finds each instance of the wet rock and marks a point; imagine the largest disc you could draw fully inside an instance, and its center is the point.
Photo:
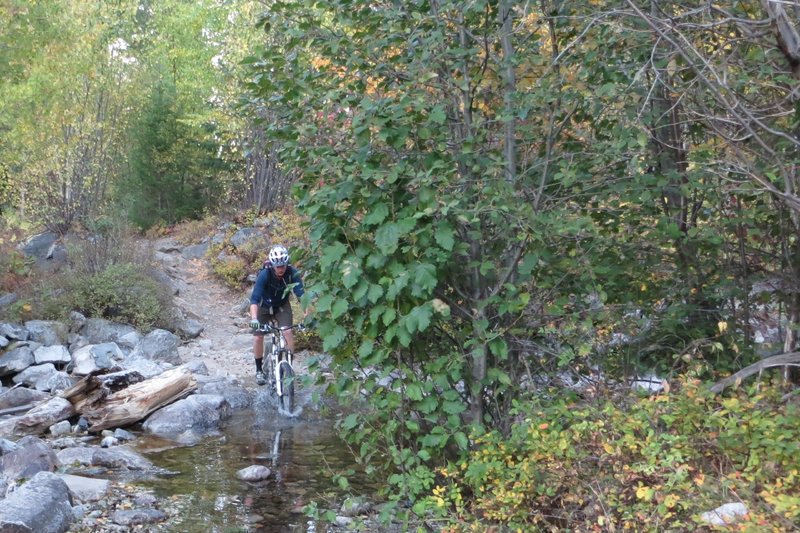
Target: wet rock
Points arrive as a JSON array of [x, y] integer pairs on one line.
[[137, 517], [254, 473], [193, 416], [120, 457], [231, 389]]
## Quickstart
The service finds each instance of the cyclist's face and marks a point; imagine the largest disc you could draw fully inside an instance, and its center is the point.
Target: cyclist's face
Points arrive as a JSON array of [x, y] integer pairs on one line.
[[280, 270]]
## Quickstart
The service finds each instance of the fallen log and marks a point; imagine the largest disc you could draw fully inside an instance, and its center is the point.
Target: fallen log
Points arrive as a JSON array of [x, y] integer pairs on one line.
[[134, 403], [786, 359]]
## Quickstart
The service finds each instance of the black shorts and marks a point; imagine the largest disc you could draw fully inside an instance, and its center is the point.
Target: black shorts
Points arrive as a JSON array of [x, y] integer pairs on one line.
[[282, 315]]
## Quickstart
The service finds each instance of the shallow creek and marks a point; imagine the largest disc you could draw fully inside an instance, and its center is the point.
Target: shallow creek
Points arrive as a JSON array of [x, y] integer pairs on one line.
[[303, 453]]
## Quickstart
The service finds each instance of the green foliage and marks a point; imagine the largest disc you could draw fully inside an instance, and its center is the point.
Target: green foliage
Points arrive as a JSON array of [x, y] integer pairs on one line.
[[658, 460], [122, 292], [174, 165]]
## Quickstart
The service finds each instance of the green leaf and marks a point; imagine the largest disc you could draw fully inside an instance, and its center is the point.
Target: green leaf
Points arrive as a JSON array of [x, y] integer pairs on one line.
[[445, 237], [387, 237], [366, 348], [374, 293], [339, 308], [332, 254], [351, 274], [414, 392], [461, 440], [350, 422], [438, 115], [377, 214], [334, 339]]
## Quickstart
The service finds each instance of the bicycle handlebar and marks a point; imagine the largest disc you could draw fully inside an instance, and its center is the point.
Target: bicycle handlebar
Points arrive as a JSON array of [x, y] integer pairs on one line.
[[266, 326]]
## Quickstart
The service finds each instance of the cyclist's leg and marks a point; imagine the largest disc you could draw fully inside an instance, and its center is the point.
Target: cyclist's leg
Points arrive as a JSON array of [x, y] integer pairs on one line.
[[283, 315]]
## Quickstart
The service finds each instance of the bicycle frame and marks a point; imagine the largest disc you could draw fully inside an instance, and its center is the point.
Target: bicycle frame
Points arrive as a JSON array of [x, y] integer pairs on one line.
[[279, 352]]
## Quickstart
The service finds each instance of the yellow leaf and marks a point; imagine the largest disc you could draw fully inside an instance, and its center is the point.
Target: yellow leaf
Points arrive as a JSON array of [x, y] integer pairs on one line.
[[645, 493], [722, 326], [699, 479], [608, 448]]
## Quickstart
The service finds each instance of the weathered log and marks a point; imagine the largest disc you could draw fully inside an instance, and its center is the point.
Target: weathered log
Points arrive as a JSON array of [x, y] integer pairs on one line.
[[134, 403], [86, 393], [786, 359]]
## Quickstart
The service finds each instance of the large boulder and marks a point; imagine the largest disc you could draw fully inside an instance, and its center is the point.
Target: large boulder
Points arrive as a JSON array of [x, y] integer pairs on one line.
[[95, 357], [47, 332], [16, 360], [188, 420], [159, 345], [30, 456], [100, 330], [42, 505]]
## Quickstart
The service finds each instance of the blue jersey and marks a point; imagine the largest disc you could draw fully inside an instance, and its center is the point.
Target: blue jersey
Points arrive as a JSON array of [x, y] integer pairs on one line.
[[270, 290]]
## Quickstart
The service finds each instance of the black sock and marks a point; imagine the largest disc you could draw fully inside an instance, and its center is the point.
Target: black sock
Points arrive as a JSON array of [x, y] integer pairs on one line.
[[258, 365]]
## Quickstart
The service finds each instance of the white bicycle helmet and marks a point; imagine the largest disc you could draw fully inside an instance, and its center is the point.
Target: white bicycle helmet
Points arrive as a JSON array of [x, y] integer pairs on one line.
[[279, 255]]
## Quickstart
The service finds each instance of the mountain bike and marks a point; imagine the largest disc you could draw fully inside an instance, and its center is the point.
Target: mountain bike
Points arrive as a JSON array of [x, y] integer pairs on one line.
[[280, 370]]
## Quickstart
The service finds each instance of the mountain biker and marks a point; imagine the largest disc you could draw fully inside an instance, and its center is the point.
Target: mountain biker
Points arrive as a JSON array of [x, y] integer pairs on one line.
[[270, 301]]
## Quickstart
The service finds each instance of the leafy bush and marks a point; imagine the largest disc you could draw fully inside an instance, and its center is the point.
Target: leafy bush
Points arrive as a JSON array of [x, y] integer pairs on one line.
[[660, 461], [15, 268], [123, 293]]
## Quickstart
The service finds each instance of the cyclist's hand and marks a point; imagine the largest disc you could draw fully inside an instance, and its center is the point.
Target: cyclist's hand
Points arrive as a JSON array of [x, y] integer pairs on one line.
[[255, 324]]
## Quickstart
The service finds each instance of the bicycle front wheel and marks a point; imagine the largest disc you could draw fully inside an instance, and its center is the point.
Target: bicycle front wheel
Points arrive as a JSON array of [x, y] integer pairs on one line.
[[286, 375]]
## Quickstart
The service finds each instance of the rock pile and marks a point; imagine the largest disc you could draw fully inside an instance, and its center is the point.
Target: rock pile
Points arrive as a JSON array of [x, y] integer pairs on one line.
[[54, 466]]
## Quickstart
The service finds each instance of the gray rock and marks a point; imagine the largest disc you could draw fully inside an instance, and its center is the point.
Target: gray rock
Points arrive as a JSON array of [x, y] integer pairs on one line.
[[76, 321], [7, 446], [42, 505], [47, 332], [145, 367], [56, 354], [100, 330], [7, 299], [30, 456], [232, 390], [76, 456], [4, 342], [86, 489], [254, 473], [254, 236], [725, 514], [16, 360], [159, 345], [13, 332], [94, 357], [60, 428], [185, 419], [355, 507], [196, 251], [38, 419], [137, 517], [57, 382], [20, 396], [34, 373], [189, 328], [122, 435], [39, 246], [120, 457], [108, 442]]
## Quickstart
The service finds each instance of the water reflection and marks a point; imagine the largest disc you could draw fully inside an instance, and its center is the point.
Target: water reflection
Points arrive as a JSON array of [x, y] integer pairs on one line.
[[302, 454]]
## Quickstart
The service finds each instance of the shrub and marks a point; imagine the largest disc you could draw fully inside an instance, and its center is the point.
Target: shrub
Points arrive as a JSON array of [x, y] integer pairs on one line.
[[123, 293], [656, 464]]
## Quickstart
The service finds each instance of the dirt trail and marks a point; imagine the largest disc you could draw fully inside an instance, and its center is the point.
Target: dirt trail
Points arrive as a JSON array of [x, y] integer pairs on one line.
[[225, 345]]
